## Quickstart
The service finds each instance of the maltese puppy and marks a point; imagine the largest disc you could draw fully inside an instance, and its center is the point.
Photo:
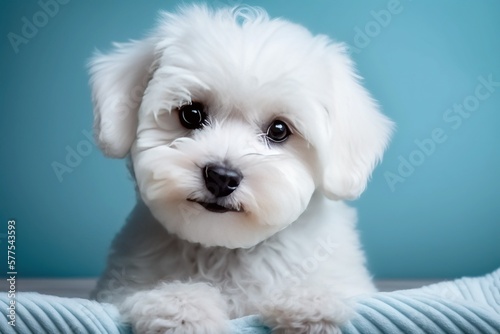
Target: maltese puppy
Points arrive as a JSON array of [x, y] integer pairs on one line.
[[243, 133]]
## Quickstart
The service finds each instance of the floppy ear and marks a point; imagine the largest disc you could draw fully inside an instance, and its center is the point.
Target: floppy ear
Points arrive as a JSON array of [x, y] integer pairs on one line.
[[359, 133], [118, 80]]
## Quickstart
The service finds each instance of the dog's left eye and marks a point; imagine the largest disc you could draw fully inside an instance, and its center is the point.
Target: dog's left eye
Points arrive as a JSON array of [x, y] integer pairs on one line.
[[192, 116], [278, 131]]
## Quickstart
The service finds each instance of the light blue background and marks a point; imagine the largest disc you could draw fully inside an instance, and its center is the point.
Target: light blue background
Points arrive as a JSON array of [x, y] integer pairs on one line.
[[442, 221]]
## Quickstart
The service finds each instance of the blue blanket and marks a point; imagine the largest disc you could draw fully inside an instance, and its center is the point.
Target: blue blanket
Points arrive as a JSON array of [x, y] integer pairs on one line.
[[467, 305]]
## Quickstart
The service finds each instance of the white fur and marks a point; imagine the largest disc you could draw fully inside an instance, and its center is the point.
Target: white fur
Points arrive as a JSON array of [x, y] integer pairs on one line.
[[289, 254]]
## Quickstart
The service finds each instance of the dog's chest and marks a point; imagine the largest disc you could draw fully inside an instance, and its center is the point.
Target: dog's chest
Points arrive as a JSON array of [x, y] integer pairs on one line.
[[242, 275]]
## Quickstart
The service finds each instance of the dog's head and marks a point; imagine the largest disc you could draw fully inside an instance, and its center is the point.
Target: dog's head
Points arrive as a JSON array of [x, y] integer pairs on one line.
[[233, 120]]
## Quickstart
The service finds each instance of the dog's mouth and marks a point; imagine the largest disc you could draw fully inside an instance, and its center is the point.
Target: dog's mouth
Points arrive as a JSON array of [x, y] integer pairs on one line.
[[214, 207]]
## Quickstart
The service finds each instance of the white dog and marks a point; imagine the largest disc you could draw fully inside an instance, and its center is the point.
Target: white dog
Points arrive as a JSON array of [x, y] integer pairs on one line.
[[237, 126]]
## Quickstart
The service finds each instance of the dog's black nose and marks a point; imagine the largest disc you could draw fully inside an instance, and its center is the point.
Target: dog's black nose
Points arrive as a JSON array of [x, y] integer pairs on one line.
[[221, 181]]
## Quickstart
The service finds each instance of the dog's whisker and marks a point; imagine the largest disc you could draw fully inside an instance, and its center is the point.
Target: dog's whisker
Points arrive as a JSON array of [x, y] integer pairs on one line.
[[264, 139]]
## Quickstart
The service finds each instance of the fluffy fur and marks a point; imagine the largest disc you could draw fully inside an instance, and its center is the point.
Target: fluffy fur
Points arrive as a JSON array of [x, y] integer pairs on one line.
[[284, 250]]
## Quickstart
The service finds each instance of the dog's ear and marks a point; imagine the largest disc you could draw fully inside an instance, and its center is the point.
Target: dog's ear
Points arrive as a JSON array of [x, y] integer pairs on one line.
[[118, 80], [359, 133]]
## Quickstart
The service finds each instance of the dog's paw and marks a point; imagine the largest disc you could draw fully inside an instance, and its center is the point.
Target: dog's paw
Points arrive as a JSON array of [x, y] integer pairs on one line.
[[304, 311], [177, 308]]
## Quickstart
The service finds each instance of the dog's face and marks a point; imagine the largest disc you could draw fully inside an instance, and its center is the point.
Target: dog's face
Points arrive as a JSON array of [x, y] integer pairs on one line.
[[233, 120]]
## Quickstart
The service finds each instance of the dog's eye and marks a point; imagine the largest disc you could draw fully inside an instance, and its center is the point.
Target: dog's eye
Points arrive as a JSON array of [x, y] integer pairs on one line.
[[192, 115], [278, 131]]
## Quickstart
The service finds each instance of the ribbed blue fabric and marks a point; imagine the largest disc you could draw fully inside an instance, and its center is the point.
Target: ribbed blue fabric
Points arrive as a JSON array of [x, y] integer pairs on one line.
[[467, 305]]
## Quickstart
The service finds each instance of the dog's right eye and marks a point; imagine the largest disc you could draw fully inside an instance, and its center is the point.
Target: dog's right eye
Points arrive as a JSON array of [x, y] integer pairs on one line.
[[192, 116]]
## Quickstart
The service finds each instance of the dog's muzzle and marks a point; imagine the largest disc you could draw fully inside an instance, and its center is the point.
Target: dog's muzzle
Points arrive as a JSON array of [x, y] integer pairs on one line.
[[220, 180]]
